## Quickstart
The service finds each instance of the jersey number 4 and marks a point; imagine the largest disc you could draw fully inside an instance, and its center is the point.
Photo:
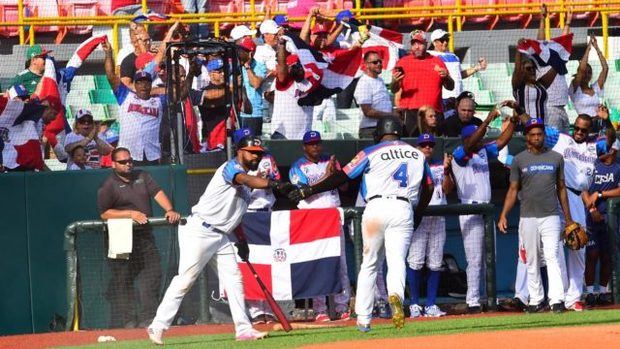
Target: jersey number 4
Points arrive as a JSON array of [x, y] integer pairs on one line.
[[400, 175]]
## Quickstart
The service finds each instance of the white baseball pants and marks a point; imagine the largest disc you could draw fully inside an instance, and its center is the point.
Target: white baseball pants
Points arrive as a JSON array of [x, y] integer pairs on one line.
[[472, 228], [536, 234], [427, 244], [387, 226], [197, 245], [574, 265]]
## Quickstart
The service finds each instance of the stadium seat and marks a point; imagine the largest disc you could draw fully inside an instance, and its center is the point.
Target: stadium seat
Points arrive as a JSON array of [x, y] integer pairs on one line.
[[490, 19], [78, 8], [83, 82], [102, 83], [8, 13], [426, 23], [590, 16], [44, 8], [107, 7], [102, 97], [524, 19]]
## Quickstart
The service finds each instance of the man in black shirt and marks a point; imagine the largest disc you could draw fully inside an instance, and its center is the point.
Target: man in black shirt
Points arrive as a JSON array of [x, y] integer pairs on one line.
[[127, 194], [466, 108], [141, 41]]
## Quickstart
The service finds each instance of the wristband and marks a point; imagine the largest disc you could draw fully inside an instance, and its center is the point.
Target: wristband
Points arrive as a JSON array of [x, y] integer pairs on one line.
[[592, 209]]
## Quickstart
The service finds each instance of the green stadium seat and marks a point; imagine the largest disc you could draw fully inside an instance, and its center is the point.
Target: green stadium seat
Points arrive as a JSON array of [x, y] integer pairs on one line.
[[102, 97], [485, 98], [83, 82], [102, 83], [78, 98], [617, 65]]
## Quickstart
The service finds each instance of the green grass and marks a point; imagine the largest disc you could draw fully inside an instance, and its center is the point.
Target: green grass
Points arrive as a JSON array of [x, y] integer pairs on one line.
[[299, 338]]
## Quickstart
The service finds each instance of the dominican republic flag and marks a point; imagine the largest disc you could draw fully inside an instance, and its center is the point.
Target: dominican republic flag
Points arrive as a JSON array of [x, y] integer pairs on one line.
[[554, 53], [49, 90], [19, 139], [150, 16], [387, 43], [295, 253], [79, 56]]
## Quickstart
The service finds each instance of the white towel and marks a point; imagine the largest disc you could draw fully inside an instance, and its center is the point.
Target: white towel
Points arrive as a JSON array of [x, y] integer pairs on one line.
[[120, 233]]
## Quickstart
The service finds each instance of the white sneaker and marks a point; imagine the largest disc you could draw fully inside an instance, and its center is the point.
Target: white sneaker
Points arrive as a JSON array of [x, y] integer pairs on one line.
[[251, 335], [415, 310], [156, 335], [433, 311]]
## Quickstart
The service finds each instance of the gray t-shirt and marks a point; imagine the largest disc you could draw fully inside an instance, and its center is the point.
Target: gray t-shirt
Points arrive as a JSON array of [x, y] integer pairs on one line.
[[537, 175]]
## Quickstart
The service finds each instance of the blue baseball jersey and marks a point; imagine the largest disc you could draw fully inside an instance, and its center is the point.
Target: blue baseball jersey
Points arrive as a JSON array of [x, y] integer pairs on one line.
[[391, 168], [306, 172], [605, 178]]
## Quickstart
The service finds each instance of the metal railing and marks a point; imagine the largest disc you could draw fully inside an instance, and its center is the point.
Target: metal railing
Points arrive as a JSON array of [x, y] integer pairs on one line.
[[455, 15]]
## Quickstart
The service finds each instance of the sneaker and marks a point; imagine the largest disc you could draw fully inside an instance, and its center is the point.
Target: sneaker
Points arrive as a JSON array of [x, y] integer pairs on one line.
[[345, 315], [383, 310], [474, 309], [156, 335], [518, 303], [251, 335], [590, 300], [415, 310], [259, 319], [398, 315], [433, 311], [557, 308], [363, 328], [605, 298], [270, 319], [536, 308], [577, 306], [322, 317]]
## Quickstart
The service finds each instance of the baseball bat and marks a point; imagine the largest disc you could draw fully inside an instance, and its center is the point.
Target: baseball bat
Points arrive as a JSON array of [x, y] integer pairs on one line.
[[277, 311]]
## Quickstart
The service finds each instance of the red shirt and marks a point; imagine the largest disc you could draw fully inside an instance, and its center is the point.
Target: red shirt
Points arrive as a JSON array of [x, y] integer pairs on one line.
[[421, 84]]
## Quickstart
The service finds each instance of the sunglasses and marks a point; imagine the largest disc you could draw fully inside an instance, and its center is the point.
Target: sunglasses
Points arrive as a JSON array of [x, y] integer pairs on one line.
[[580, 129], [444, 40], [85, 121], [427, 145], [125, 162], [378, 61]]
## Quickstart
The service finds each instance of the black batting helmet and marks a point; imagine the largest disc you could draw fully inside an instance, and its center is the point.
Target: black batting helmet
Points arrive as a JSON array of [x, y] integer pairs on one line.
[[388, 126]]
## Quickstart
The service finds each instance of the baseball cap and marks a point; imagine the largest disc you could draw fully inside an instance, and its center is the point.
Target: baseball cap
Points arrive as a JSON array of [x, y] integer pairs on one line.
[[240, 31], [18, 91], [250, 143], [83, 112], [240, 133], [142, 75], [426, 138], [438, 34], [281, 20], [215, 64], [534, 122], [344, 14], [312, 137], [247, 44], [292, 59], [468, 131], [36, 51], [269, 26], [111, 136], [319, 28], [418, 35]]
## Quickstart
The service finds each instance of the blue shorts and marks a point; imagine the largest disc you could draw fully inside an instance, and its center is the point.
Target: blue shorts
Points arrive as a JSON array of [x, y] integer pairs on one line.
[[598, 236]]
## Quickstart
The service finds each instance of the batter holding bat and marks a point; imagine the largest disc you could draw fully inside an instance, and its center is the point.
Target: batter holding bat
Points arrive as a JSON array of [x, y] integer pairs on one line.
[[206, 235]]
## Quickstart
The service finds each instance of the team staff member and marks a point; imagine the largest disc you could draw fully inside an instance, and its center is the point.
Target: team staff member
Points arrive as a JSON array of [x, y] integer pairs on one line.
[[429, 238], [127, 194], [396, 182], [470, 167], [311, 169], [419, 77], [206, 236], [538, 173]]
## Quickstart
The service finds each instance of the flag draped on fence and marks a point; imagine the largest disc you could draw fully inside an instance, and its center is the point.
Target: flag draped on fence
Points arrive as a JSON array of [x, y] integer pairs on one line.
[[554, 53], [296, 253]]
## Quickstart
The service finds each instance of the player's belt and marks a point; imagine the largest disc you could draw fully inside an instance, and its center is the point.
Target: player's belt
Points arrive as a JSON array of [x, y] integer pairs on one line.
[[209, 226], [391, 197], [575, 191]]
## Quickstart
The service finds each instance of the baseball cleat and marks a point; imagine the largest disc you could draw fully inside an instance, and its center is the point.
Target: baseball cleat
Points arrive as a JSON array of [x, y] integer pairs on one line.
[[363, 328], [605, 298], [577, 306], [474, 309], [345, 315], [590, 300], [322, 317], [433, 311], [415, 311], [156, 335], [383, 310], [536, 308], [398, 315], [557, 308], [251, 335]]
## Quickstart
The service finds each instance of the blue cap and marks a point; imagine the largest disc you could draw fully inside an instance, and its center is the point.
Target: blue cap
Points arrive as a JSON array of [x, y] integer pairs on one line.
[[531, 123], [142, 75], [111, 136], [240, 133], [311, 137], [18, 90], [281, 20], [468, 131], [342, 15], [215, 64], [426, 138]]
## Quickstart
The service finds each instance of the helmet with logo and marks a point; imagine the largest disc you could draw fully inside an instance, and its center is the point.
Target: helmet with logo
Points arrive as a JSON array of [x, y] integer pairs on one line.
[[388, 126]]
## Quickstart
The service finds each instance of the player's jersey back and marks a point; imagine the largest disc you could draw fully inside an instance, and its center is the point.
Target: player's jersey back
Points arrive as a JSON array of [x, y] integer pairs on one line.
[[223, 203], [390, 168]]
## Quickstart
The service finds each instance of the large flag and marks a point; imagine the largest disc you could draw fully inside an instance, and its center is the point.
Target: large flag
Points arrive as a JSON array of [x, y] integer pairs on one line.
[[387, 43], [295, 253], [78, 57], [49, 90], [19, 139], [554, 53]]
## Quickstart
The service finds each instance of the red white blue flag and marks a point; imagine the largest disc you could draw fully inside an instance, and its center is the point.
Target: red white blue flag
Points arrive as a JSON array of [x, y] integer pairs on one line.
[[554, 53], [295, 253]]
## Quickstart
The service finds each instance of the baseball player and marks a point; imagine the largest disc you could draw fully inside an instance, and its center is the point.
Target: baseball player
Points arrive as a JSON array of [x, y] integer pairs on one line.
[[470, 167], [310, 169], [396, 182], [205, 236], [579, 157], [538, 173], [429, 238]]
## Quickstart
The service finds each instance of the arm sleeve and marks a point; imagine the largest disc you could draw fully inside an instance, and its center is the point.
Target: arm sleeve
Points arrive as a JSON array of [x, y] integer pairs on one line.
[[297, 176], [121, 93], [105, 197], [492, 150], [128, 67], [356, 166], [275, 172], [151, 185], [260, 70], [515, 171], [428, 174], [231, 169], [460, 156]]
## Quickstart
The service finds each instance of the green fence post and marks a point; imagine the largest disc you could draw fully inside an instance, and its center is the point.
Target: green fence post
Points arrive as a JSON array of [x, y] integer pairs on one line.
[[612, 230], [489, 239]]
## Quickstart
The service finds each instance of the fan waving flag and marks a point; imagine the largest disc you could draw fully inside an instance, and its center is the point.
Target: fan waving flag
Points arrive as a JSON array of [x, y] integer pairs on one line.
[[554, 53], [295, 253], [49, 90], [19, 139], [80, 55]]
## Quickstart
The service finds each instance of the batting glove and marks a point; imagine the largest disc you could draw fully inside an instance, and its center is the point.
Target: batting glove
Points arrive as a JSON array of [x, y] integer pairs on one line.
[[243, 250], [300, 193], [281, 187]]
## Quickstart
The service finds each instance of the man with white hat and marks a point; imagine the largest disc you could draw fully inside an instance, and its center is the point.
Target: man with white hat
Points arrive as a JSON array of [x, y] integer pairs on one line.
[[241, 31], [439, 48]]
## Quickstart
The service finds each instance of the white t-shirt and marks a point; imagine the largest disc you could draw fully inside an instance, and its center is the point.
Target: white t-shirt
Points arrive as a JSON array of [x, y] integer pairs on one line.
[[471, 173], [289, 118], [262, 199], [372, 91], [584, 103], [223, 203], [304, 171], [267, 55], [139, 122], [92, 153], [453, 63], [390, 168], [557, 93], [74, 167]]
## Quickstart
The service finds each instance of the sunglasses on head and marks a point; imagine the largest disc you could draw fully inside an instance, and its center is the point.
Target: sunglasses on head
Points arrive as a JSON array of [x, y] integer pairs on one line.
[[124, 162]]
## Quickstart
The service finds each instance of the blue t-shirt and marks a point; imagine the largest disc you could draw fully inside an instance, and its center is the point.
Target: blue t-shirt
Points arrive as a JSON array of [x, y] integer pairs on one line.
[[605, 178], [255, 96]]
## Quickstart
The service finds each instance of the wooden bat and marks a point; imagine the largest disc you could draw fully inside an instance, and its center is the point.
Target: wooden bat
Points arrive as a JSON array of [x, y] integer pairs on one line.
[[304, 326], [277, 311]]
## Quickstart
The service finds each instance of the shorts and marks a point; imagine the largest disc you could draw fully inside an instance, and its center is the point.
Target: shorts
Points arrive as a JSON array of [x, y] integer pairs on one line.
[[598, 236]]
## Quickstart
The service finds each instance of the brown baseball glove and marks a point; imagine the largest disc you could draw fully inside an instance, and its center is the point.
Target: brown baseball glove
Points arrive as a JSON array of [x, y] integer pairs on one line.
[[574, 236]]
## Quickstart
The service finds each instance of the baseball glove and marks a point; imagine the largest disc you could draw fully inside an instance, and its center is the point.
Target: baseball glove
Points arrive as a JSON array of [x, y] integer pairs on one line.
[[574, 236]]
